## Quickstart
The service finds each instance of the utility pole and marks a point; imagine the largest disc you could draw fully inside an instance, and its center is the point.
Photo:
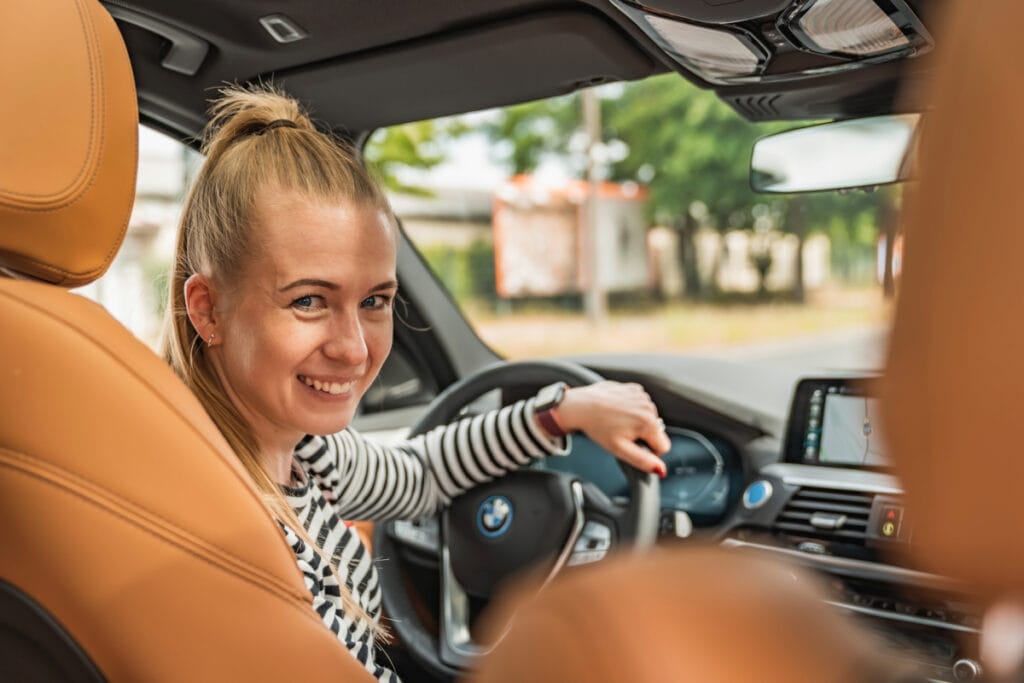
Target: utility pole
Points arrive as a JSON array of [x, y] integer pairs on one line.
[[595, 298]]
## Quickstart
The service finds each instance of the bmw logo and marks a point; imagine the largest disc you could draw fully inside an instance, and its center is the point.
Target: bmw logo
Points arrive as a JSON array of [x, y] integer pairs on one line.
[[494, 516]]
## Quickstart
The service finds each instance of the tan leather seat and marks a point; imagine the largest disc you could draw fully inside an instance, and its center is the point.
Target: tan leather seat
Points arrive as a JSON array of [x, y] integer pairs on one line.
[[954, 407], [955, 390], [123, 513]]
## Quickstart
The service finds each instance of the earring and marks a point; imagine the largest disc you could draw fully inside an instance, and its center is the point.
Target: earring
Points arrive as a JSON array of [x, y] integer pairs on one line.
[[212, 336]]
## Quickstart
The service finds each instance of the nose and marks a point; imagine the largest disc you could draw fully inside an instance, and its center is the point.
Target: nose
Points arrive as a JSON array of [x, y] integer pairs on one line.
[[346, 341]]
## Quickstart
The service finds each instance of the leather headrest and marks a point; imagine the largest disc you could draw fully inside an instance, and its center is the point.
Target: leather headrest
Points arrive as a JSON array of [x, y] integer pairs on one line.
[[955, 388], [68, 140]]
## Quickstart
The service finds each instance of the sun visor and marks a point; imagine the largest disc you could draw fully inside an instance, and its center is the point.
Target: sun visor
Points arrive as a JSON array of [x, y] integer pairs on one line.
[[527, 58]]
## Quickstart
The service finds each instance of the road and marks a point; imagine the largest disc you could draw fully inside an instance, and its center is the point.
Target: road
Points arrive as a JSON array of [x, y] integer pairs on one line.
[[860, 349]]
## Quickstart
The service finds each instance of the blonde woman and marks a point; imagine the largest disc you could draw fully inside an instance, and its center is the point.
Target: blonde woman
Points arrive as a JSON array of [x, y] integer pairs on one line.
[[280, 318]]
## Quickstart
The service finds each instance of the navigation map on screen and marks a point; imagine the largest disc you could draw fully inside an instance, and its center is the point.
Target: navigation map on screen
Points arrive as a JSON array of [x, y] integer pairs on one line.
[[851, 431]]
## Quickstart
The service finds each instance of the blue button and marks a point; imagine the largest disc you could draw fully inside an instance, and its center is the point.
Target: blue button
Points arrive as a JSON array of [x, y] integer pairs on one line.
[[757, 494]]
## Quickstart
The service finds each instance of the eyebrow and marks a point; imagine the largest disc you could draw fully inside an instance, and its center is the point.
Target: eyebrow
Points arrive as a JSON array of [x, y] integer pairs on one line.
[[389, 284], [309, 282], [313, 282]]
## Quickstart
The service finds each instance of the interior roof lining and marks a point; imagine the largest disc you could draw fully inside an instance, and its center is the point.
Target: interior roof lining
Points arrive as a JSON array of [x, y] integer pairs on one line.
[[178, 105]]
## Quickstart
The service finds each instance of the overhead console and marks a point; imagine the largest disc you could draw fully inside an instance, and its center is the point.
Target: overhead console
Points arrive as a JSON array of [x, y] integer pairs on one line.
[[775, 59]]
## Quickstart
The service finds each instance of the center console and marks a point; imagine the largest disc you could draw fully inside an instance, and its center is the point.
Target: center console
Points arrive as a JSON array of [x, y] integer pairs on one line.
[[832, 504]]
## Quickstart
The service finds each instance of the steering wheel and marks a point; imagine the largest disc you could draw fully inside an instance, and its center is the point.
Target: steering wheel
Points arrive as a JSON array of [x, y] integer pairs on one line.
[[525, 518]]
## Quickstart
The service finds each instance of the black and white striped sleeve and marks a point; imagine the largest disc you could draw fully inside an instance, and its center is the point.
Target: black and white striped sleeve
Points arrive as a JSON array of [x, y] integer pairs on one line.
[[368, 481]]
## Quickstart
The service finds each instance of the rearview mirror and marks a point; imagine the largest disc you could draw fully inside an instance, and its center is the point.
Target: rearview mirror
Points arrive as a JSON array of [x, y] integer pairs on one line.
[[835, 156]]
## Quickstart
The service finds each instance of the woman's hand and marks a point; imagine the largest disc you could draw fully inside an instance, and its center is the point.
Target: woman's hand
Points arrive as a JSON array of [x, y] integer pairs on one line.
[[615, 415]]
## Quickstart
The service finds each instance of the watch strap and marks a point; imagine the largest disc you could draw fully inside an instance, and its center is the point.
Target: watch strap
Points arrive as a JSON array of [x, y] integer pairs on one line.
[[550, 423]]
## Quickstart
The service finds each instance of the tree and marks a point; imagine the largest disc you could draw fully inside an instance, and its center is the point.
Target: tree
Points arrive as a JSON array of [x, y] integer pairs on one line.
[[688, 147], [683, 143], [693, 153], [524, 133], [411, 146]]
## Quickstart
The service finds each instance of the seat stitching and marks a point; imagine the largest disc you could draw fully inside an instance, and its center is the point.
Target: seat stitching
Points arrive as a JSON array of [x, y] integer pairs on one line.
[[147, 521], [142, 380], [95, 48], [96, 96]]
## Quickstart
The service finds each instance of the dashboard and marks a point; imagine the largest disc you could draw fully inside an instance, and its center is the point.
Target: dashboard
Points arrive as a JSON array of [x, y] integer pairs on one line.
[[794, 467], [812, 485], [831, 502]]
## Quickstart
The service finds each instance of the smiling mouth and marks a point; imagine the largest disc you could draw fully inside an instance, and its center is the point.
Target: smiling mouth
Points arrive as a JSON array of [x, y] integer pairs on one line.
[[333, 388]]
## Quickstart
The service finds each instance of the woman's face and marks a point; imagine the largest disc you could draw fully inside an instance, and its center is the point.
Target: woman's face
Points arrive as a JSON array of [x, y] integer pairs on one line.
[[304, 331]]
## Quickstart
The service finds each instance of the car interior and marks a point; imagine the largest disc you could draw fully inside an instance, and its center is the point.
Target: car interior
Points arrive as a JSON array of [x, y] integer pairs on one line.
[[787, 543]]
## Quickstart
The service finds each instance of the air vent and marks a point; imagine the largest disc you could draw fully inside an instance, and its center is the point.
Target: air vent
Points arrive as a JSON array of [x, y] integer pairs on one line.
[[756, 107], [828, 514]]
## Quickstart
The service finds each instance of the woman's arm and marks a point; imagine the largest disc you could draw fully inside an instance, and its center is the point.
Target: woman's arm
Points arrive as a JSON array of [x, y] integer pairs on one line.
[[367, 480]]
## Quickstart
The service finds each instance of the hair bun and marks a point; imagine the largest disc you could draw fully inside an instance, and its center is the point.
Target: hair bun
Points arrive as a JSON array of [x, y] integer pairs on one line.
[[277, 123], [242, 111]]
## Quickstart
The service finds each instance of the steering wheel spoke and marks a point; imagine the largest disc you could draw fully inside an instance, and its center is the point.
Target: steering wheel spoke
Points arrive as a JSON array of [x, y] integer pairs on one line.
[[422, 534], [457, 647]]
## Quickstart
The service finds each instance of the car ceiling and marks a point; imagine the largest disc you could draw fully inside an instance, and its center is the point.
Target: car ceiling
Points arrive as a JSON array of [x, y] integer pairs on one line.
[[366, 64]]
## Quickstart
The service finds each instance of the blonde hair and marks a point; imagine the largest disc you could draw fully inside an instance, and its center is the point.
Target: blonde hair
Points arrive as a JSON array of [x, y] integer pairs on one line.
[[257, 138]]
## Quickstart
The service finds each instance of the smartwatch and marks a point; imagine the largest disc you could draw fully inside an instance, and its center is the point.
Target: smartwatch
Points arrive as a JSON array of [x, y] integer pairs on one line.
[[548, 399]]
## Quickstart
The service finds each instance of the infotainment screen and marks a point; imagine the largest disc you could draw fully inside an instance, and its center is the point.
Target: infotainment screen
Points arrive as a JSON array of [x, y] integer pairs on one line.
[[836, 422]]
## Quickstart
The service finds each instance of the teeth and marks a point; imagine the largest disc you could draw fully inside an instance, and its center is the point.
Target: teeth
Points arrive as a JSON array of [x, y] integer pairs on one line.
[[333, 388]]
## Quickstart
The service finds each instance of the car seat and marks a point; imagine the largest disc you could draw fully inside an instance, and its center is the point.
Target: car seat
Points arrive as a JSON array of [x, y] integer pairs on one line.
[[132, 544]]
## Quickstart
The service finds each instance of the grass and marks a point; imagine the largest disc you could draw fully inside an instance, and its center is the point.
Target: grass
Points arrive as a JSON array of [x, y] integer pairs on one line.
[[676, 327]]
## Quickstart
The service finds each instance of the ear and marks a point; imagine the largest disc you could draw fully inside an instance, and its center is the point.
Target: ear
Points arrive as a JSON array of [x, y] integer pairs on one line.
[[200, 302]]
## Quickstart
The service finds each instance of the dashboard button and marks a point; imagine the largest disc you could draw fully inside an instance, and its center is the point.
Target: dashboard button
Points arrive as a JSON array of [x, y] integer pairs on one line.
[[757, 494]]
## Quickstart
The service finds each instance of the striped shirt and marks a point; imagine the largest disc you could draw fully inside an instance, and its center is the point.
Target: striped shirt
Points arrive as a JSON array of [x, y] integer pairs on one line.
[[345, 476]]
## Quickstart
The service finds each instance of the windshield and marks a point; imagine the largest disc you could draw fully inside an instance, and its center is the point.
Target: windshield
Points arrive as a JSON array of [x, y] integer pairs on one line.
[[620, 219], [515, 209]]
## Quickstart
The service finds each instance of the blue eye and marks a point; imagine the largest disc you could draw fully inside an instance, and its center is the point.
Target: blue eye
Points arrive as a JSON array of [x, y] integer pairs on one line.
[[377, 302], [308, 302]]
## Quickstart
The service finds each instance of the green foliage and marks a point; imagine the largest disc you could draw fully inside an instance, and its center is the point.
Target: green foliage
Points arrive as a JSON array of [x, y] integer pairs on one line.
[[467, 273], [524, 133], [690, 150], [411, 146], [156, 272], [687, 146]]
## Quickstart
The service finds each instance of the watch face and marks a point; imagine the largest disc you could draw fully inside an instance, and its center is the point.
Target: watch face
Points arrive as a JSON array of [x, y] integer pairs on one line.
[[550, 396]]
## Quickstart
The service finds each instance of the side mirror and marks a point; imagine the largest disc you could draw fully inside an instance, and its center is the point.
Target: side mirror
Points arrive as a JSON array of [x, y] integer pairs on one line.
[[835, 156]]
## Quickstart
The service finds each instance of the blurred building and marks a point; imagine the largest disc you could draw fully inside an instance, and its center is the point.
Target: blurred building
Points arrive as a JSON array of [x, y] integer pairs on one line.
[[445, 216], [727, 260], [541, 233]]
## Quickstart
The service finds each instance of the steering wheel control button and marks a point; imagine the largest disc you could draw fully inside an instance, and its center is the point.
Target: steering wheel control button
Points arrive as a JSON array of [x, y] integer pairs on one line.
[[757, 494], [494, 516], [592, 545], [421, 533]]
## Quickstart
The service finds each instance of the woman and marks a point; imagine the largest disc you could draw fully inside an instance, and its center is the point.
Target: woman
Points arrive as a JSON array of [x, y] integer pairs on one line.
[[280, 318]]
